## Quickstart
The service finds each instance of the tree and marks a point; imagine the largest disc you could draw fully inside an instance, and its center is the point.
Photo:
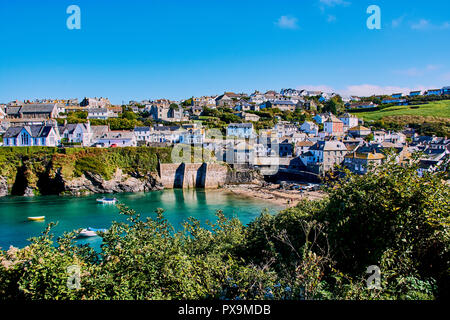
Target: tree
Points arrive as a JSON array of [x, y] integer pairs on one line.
[[334, 105], [188, 102], [369, 137]]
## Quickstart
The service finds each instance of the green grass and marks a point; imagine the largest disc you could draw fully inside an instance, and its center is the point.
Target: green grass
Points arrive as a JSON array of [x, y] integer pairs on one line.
[[440, 109]]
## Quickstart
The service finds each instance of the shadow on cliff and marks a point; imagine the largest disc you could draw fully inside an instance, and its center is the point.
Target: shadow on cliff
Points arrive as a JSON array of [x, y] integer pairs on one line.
[[20, 182], [48, 185]]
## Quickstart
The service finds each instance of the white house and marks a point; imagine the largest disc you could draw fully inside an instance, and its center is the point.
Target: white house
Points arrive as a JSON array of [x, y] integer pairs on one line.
[[117, 139], [142, 133], [100, 113], [240, 130], [34, 135], [285, 129], [349, 121], [77, 133], [159, 134], [192, 136], [393, 137]]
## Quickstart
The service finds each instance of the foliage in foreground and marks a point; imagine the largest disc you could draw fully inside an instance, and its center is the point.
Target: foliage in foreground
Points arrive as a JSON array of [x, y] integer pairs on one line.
[[390, 217]]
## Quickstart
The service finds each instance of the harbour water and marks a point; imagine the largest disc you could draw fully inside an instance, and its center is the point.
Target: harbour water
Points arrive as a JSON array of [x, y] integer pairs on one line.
[[73, 213]]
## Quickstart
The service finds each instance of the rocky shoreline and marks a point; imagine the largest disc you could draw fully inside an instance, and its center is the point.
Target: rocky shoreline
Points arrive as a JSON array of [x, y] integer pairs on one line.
[[273, 193], [89, 183]]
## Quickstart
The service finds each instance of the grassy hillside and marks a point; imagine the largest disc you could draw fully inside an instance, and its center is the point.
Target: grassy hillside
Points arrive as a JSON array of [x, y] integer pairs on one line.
[[439, 109]]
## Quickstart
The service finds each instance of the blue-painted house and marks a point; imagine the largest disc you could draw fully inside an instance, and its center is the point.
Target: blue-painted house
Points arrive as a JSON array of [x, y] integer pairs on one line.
[[34, 135], [446, 90], [398, 102], [415, 93], [397, 95]]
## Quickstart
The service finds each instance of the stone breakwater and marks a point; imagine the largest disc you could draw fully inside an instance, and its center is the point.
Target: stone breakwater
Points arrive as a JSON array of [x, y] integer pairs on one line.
[[200, 175]]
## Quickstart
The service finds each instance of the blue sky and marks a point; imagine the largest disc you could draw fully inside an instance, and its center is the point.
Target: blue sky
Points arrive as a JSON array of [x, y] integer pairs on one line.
[[176, 49]]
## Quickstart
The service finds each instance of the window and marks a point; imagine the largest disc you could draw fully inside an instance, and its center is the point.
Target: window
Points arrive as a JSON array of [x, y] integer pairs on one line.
[[24, 139]]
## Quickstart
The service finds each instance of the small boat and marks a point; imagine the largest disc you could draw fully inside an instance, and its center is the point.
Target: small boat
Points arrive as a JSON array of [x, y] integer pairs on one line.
[[90, 232], [85, 233], [41, 218], [96, 230], [107, 200]]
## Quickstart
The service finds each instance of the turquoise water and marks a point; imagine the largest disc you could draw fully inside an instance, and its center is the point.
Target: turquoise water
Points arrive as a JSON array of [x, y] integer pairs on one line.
[[73, 213]]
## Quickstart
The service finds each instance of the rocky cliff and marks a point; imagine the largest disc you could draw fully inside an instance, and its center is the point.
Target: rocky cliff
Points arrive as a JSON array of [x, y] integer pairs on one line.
[[94, 183], [3, 187]]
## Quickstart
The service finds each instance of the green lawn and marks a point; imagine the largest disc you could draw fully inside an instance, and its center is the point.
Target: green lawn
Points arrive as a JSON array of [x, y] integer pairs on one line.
[[439, 109]]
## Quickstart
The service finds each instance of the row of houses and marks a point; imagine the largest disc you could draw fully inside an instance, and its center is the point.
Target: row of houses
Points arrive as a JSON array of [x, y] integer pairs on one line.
[[429, 92], [285, 143]]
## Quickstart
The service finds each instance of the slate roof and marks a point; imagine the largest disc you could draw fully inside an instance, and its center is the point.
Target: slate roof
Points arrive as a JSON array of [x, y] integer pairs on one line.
[[329, 146], [12, 132], [36, 131], [240, 125], [142, 129], [37, 108], [97, 110], [284, 102], [12, 110], [166, 128]]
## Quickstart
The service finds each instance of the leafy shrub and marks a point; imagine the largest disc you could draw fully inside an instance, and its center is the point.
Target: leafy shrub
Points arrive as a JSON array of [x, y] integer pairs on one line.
[[390, 217]]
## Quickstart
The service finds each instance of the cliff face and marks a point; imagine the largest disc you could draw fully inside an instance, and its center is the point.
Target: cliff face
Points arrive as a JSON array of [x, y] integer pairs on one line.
[[52, 171], [88, 183], [3, 187]]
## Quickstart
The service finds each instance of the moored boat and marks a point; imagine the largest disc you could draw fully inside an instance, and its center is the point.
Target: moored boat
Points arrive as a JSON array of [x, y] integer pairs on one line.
[[107, 200], [90, 232], [96, 230], [86, 233]]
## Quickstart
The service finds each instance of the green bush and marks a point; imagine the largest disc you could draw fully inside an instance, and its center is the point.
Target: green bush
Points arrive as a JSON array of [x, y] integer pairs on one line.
[[390, 217]]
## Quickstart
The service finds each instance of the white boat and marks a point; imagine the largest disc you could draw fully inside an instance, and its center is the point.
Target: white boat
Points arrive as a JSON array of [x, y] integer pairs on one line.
[[90, 232], [41, 218], [107, 200], [85, 233]]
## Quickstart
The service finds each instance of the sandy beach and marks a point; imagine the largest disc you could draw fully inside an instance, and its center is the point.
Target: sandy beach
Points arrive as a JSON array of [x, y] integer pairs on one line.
[[273, 193]]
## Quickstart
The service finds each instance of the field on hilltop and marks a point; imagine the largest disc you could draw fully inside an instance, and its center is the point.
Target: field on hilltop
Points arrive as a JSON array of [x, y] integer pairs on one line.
[[438, 109]]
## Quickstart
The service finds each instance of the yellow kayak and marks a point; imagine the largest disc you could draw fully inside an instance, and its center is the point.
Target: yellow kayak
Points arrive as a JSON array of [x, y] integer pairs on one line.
[[36, 218]]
